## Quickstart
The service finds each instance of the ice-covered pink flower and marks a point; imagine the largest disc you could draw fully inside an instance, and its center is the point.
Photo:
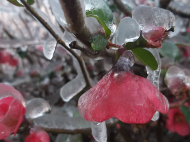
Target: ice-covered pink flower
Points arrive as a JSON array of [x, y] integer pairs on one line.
[[176, 122], [12, 110], [121, 94], [37, 135]]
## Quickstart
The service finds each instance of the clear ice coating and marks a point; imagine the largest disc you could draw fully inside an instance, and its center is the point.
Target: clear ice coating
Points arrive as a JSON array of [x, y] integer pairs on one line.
[[125, 62], [154, 75], [36, 107], [49, 47], [72, 88], [69, 138], [99, 6], [99, 131], [128, 31], [58, 12], [155, 116], [175, 78], [153, 17]]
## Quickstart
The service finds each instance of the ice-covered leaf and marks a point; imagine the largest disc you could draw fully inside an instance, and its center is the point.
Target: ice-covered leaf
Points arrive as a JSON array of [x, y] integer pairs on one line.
[[149, 17], [36, 108], [106, 29], [98, 42], [186, 112], [49, 48], [72, 88], [99, 8], [145, 57], [174, 79], [99, 131], [69, 138], [15, 2], [128, 31], [58, 12], [169, 50], [58, 120]]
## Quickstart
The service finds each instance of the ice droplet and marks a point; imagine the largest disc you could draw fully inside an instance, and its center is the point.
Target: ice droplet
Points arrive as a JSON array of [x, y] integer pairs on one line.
[[155, 116], [73, 87], [128, 31], [125, 62], [36, 108], [49, 48], [99, 131], [154, 75]]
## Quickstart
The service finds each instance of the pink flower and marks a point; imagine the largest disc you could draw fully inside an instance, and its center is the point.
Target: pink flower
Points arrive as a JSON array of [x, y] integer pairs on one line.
[[37, 135], [12, 110], [176, 122], [121, 94], [5, 57], [154, 36]]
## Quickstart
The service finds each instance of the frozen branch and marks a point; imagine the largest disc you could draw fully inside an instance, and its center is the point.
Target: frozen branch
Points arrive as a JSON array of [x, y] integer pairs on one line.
[[59, 40], [74, 16]]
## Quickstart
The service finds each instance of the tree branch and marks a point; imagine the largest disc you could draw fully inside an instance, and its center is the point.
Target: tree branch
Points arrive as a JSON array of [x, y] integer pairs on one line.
[[59, 40], [74, 16], [122, 7], [164, 3]]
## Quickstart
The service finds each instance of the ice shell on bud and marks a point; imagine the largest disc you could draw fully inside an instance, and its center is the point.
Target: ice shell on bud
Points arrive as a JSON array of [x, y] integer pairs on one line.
[[174, 79], [153, 17], [125, 62], [12, 110], [128, 97], [37, 135], [128, 31], [36, 108]]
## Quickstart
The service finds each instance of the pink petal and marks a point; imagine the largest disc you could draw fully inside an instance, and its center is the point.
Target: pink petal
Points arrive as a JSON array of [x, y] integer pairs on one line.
[[128, 97]]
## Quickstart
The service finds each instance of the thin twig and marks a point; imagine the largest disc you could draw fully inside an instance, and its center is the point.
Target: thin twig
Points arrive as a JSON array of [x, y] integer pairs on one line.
[[59, 40], [122, 7], [164, 3]]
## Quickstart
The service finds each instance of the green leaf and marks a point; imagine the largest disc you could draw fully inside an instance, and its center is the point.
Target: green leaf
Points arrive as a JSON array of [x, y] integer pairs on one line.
[[98, 42], [15, 2], [102, 11], [140, 42], [106, 29], [169, 50], [30, 2], [186, 112], [145, 57]]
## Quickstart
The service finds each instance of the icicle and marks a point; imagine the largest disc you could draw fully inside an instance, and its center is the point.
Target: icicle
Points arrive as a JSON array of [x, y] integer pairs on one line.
[[49, 48], [153, 76], [155, 116], [99, 131]]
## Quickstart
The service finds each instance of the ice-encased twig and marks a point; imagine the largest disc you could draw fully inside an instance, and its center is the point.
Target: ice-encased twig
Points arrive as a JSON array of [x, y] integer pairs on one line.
[[99, 131], [73, 87]]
